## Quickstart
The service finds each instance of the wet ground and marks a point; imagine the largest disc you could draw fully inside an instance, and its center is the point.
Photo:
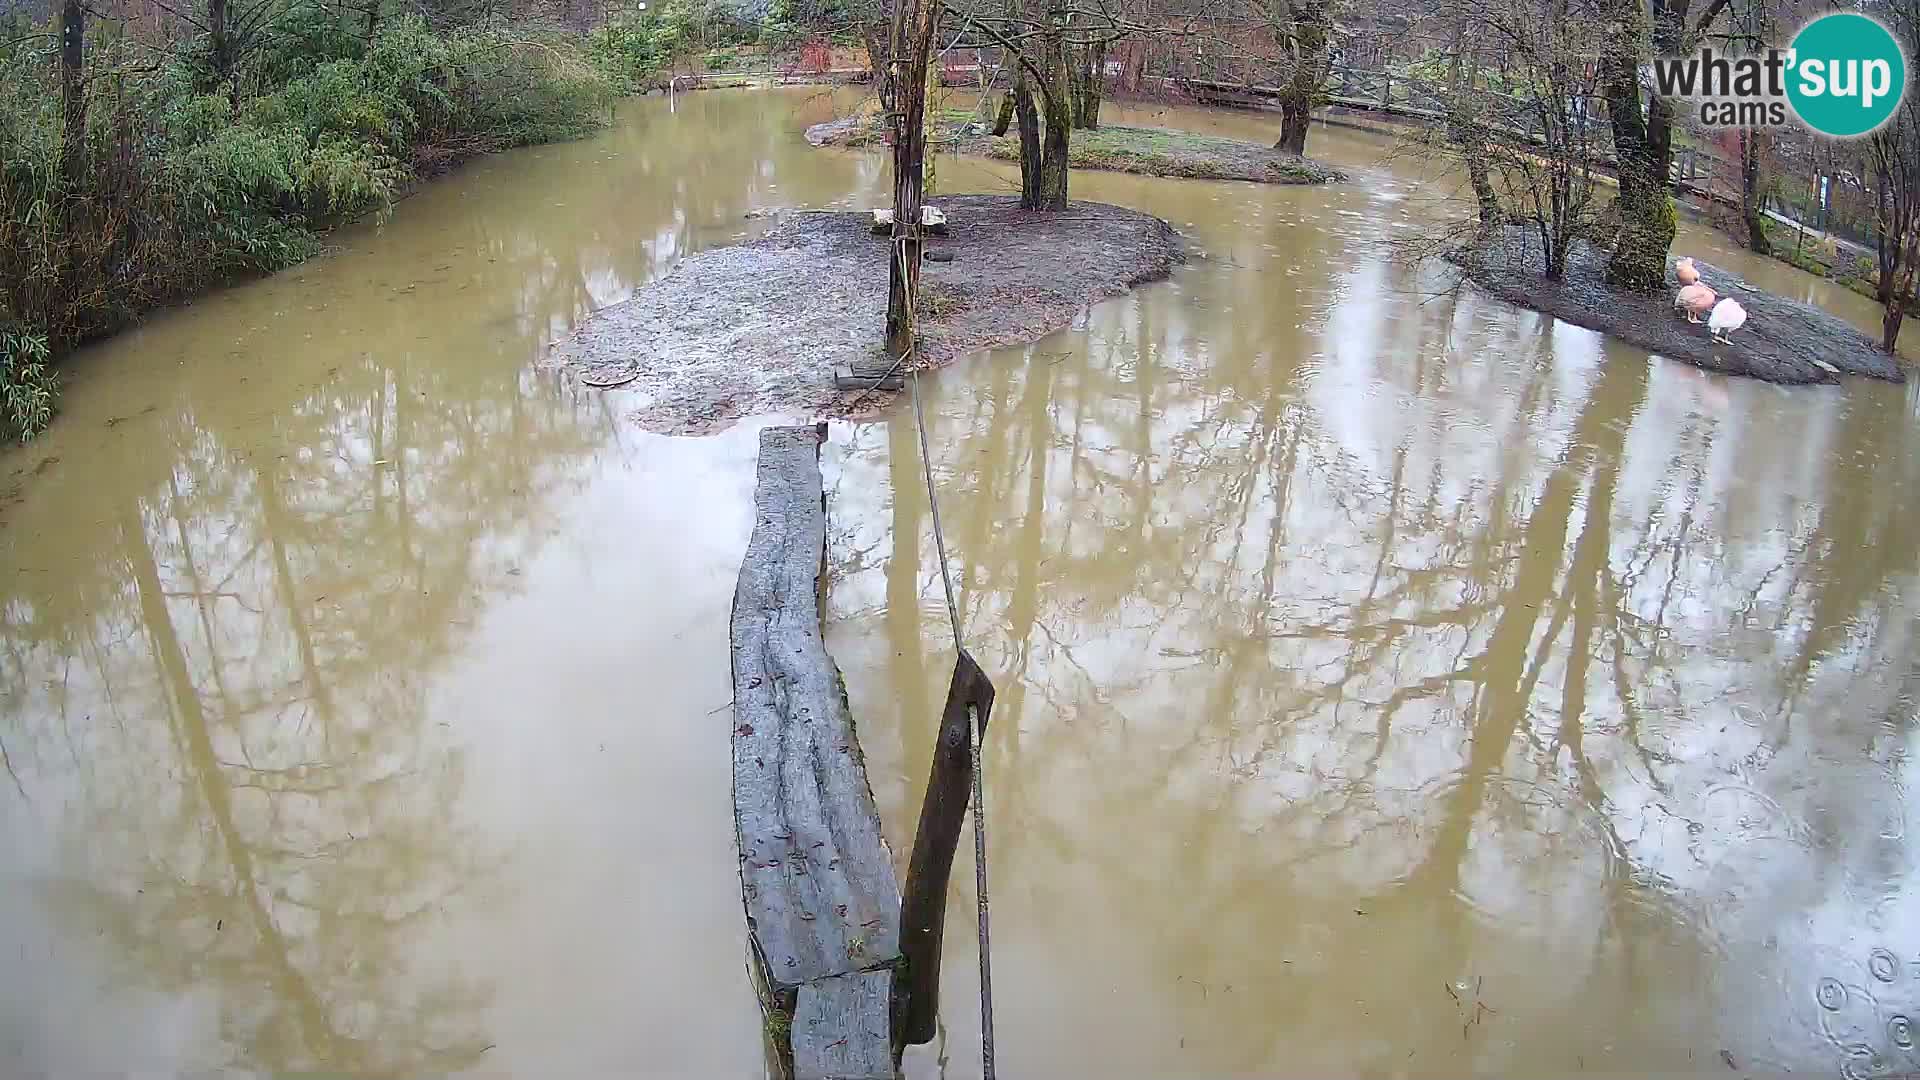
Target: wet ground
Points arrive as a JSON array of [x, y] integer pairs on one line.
[[1389, 684]]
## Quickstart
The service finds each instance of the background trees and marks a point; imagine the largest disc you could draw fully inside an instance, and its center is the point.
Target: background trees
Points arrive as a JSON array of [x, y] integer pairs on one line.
[[1521, 117]]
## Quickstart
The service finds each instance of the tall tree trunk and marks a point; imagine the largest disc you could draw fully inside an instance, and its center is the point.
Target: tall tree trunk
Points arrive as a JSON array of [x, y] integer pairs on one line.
[[1053, 159], [1294, 121], [912, 47], [1751, 196], [1645, 216], [221, 46], [1312, 32], [73, 94], [1089, 85], [1056, 113], [1896, 230], [1894, 314], [1028, 114], [1643, 143], [1004, 118], [1043, 103], [1898, 280]]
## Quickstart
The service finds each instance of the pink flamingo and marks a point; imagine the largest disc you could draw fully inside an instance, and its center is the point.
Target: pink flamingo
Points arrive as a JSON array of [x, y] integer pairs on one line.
[[1695, 300], [1684, 272]]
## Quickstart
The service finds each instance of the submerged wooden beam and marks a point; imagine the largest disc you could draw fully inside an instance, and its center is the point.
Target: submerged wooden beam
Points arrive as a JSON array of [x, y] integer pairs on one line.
[[848, 377], [822, 902]]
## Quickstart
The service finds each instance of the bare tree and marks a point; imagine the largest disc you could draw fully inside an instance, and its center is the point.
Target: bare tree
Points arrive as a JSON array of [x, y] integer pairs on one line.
[[1054, 54], [1530, 147], [1894, 152], [1303, 31]]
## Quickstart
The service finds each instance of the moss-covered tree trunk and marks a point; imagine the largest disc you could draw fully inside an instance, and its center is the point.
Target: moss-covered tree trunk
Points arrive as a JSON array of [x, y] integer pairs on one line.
[[1311, 32], [1028, 115], [1004, 118], [1643, 136], [1089, 84], [1056, 115], [1053, 158], [1642, 150], [1043, 104], [915, 24]]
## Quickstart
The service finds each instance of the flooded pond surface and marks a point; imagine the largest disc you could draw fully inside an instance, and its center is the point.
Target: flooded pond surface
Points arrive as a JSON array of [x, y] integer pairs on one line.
[[1390, 684]]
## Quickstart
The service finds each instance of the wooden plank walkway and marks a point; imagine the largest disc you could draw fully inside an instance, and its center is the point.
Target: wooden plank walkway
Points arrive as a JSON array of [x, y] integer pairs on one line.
[[822, 901]]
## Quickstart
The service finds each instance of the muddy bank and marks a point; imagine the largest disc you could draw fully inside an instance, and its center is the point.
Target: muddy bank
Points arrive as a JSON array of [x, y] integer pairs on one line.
[[1784, 341], [1152, 151], [758, 328]]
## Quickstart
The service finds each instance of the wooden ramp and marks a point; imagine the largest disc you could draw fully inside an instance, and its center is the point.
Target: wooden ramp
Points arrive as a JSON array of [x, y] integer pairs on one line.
[[822, 902]]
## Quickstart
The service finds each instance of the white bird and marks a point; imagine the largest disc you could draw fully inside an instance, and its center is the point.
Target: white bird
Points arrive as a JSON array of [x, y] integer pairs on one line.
[[1727, 317]]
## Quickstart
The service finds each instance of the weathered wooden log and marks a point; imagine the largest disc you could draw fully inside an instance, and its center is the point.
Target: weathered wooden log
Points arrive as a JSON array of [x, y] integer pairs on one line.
[[923, 909], [821, 899], [839, 1028]]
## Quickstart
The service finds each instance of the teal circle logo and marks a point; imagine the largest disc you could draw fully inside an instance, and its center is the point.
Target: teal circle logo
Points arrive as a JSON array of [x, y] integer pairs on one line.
[[1846, 74]]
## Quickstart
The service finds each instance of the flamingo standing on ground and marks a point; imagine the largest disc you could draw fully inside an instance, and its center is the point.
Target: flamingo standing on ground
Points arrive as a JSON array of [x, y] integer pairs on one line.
[[1684, 273], [1695, 300], [1727, 317]]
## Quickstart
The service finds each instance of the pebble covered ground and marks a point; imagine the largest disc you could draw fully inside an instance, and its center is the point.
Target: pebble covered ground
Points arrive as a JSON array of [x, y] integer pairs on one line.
[[1783, 341], [757, 329]]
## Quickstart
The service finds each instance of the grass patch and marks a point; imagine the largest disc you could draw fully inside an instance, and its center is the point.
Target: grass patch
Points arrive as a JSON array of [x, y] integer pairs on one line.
[[1184, 154]]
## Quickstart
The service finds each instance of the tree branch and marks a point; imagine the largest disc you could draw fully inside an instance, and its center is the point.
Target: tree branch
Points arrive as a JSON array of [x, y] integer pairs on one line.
[[1706, 17]]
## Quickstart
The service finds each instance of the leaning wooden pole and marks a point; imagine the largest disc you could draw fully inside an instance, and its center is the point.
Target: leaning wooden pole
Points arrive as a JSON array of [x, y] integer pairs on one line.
[[923, 908], [822, 902]]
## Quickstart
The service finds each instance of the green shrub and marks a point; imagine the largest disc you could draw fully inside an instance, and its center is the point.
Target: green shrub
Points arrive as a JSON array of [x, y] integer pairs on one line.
[[192, 180], [635, 45], [27, 385]]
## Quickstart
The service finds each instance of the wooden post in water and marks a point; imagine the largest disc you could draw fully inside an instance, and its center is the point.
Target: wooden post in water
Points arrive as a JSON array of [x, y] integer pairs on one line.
[[923, 909]]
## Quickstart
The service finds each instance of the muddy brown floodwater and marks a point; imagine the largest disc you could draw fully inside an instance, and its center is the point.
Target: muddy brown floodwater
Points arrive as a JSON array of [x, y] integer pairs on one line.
[[1389, 685]]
